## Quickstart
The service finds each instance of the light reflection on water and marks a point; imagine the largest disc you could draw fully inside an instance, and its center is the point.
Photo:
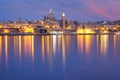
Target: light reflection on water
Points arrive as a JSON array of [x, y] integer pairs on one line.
[[6, 50], [57, 52], [0, 47], [104, 44]]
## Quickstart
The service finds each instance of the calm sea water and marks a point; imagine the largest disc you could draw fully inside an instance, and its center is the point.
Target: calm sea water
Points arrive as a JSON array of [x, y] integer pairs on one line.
[[60, 57]]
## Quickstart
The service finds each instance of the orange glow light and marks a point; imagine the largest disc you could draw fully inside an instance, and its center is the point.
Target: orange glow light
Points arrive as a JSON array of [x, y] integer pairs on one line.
[[85, 31], [0, 47], [47, 26], [6, 31], [105, 31], [1, 26], [68, 27], [27, 30], [6, 50], [80, 30]]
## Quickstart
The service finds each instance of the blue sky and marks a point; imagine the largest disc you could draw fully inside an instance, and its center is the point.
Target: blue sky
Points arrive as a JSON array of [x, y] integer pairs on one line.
[[81, 10]]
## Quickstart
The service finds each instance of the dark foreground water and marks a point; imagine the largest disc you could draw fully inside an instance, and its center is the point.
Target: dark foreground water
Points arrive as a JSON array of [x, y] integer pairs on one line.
[[68, 57]]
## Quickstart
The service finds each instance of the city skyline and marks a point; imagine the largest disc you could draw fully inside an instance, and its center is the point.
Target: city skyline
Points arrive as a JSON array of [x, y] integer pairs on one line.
[[81, 10]]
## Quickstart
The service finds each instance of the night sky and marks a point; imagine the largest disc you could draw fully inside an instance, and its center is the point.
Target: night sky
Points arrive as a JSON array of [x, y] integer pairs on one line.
[[81, 10]]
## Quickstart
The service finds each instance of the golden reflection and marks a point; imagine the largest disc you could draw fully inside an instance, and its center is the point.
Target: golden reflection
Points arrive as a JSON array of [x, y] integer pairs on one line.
[[97, 42], [20, 49], [16, 43], [104, 44], [29, 46], [50, 55], [114, 41], [0, 47], [54, 43], [48, 45], [88, 39], [59, 42], [32, 48], [67, 40], [43, 48], [63, 51], [80, 42], [6, 50]]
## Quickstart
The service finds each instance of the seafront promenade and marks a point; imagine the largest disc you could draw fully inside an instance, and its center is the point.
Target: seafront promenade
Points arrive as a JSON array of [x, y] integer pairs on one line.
[[50, 31]]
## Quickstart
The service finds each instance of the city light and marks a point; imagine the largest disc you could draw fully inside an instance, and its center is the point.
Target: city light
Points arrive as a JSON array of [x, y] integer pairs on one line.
[[6, 31], [54, 32], [68, 28], [105, 31], [50, 25], [29, 30], [80, 30], [85, 31], [47, 26], [1, 26]]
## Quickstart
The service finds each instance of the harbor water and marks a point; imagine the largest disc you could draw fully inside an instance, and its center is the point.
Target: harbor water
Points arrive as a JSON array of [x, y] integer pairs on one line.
[[60, 57]]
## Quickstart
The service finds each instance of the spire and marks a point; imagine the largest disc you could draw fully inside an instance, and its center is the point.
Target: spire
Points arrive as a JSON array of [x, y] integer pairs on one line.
[[63, 14], [63, 20]]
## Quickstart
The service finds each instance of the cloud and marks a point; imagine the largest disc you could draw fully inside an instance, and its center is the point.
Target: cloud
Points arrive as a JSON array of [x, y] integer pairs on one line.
[[107, 9], [77, 9]]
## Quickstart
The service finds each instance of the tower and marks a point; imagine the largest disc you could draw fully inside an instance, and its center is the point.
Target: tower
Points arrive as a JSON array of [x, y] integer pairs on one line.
[[63, 20]]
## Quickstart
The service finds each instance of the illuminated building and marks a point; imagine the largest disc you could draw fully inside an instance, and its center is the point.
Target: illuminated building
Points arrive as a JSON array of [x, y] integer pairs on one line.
[[50, 21]]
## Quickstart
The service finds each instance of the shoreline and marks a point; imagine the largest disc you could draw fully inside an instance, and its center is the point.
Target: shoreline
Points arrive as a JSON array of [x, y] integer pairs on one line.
[[44, 34]]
